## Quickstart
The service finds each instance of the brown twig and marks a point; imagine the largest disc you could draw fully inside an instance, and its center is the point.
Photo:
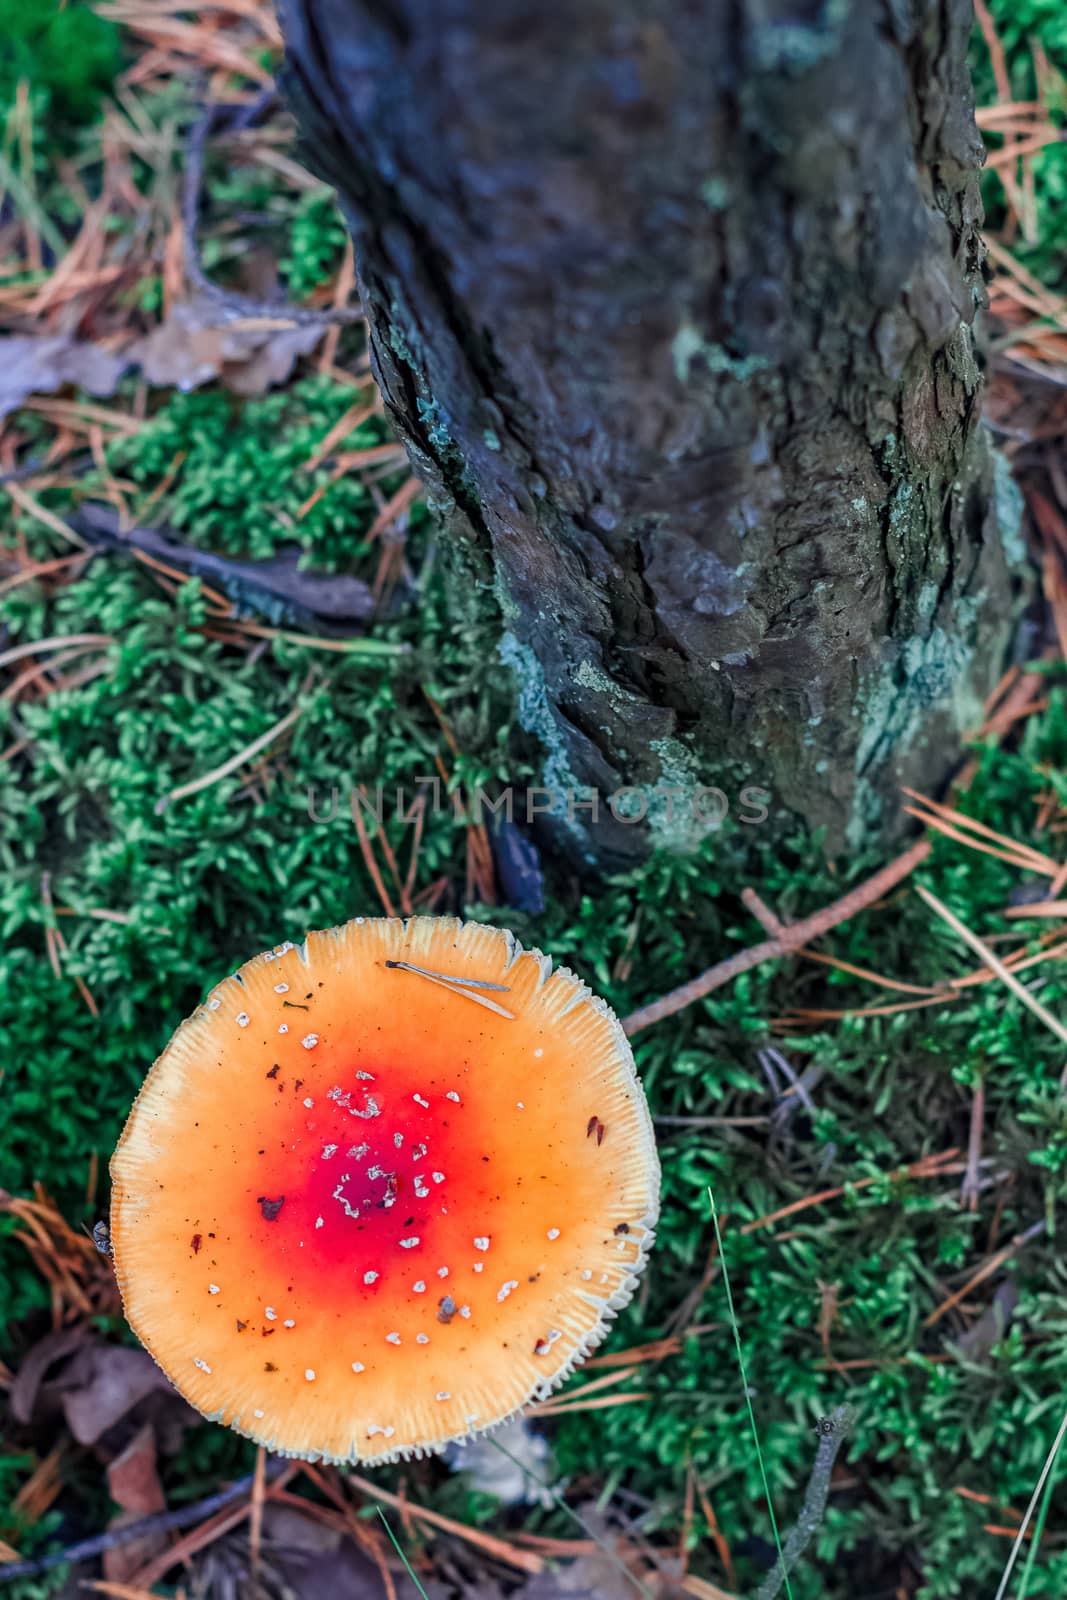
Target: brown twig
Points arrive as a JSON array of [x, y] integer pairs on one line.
[[768, 921], [969, 1187], [791, 939], [500, 1548], [125, 1533], [236, 304]]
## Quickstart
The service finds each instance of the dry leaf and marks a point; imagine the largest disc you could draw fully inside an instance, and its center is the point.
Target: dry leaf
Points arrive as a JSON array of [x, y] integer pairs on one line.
[[592, 1577], [97, 1386], [132, 1480], [23, 1396], [316, 1560], [133, 1483], [43, 363], [102, 1384], [201, 340]]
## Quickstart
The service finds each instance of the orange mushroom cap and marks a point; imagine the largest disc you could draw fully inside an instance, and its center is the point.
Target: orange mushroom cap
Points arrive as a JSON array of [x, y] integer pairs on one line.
[[360, 1209]]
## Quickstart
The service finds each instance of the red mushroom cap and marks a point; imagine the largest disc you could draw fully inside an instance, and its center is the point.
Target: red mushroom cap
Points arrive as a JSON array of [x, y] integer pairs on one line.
[[383, 1188]]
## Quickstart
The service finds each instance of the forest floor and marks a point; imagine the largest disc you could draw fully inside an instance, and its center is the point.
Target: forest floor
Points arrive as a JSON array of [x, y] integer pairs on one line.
[[879, 1116]]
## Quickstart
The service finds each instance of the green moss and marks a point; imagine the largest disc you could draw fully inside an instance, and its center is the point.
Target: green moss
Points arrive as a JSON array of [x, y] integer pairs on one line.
[[68, 54], [317, 239], [243, 484], [1020, 24]]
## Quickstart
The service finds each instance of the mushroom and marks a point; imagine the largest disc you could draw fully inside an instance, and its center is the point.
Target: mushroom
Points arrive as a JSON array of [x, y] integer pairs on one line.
[[383, 1188]]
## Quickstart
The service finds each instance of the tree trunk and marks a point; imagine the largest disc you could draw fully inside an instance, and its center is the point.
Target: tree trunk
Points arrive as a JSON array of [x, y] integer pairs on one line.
[[672, 303]]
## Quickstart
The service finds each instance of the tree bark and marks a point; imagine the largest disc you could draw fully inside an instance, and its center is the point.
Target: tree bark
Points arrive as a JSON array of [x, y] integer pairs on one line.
[[672, 302]]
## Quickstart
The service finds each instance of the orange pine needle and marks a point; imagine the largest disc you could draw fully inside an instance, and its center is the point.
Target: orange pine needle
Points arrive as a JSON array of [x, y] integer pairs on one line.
[[925, 1167]]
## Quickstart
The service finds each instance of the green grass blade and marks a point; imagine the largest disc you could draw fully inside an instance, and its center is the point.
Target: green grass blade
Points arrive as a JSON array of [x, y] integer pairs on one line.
[[1045, 1482], [748, 1398], [398, 1547]]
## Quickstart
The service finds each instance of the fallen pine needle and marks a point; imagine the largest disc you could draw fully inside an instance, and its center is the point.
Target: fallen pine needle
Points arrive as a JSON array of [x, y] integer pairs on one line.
[[986, 1500], [393, 507], [996, 965], [602, 1402], [36, 647], [119, 1591], [1013, 857], [702, 1589], [43, 569], [255, 1519], [805, 1016], [864, 1363], [1018, 961], [525, 1560], [352, 419], [33, 508], [986, 1270], [654, 1350], [896, 984], [360, 646], [239, 760], [925, 1167], [399, 1548], [810, 1015], [606, 1382], [1026, 854], [718, 1538]]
